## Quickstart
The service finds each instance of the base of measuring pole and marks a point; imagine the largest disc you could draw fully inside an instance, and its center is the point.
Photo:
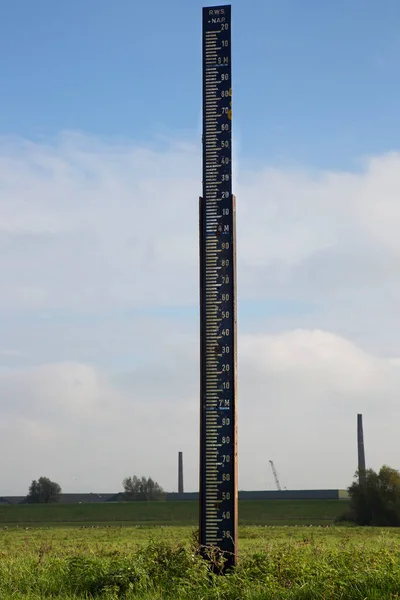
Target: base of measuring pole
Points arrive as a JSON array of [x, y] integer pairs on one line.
[[220, 562]]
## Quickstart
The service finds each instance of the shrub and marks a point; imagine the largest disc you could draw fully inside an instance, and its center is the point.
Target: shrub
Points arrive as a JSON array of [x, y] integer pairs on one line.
[[375, 500]]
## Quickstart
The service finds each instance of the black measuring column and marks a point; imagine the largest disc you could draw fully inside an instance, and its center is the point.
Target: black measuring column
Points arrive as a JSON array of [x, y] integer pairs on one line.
[[218, 430]]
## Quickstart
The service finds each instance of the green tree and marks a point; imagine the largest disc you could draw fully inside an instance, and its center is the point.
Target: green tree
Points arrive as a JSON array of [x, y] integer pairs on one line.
[[377, 500], [142, 488], [43, 491]]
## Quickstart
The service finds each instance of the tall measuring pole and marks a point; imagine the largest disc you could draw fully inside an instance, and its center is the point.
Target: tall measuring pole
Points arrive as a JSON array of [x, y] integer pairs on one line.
[[218, 429]]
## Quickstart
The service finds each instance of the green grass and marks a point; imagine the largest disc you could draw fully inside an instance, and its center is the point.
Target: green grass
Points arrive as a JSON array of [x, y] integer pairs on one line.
[[279, 563], [264, 512]]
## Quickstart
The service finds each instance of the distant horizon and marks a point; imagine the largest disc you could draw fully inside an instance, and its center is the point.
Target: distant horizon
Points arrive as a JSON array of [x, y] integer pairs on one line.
[[173, 493]]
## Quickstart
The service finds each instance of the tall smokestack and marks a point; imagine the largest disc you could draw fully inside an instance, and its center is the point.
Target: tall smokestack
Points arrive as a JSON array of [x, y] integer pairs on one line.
[[180, 472], [361, 451]]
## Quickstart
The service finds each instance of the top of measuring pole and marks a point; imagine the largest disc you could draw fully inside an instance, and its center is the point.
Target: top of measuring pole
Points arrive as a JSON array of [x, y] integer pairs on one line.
[[213, 16], [217, 11]]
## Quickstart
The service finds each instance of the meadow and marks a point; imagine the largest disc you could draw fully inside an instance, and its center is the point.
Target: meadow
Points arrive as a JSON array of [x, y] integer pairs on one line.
[[160, 562], [251, 512]]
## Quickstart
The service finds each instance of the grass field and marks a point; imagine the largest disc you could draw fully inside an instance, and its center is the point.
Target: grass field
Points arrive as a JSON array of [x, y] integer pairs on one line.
[[159, 563], [264, 512]]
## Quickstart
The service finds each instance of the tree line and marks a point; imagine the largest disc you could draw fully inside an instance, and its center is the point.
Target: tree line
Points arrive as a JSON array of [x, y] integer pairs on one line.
[[45, 491], [374, 498]]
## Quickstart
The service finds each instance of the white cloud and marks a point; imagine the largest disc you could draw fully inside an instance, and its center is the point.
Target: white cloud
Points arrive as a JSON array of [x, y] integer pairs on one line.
[[92, 390], [85, 222]]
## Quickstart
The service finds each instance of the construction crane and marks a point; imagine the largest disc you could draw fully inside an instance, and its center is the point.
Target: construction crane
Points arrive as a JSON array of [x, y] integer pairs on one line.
[[278, 485]]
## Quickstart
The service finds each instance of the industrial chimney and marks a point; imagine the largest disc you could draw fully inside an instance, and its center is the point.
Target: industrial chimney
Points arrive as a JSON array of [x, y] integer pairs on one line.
[[180, 472], [361, 451]]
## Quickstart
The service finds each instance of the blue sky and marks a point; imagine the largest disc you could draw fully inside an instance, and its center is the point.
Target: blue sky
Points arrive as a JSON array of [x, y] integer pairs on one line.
[[315, 83]]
